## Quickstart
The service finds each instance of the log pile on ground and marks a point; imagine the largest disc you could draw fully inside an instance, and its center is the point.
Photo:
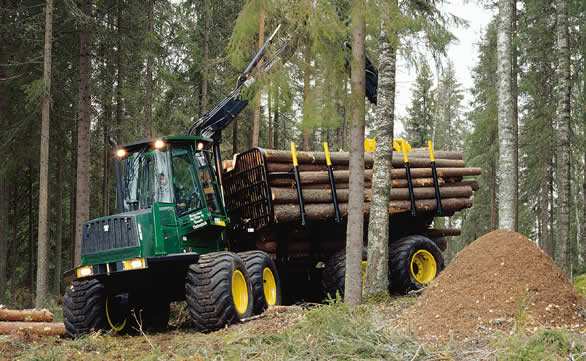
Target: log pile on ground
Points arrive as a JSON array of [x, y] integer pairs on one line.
[[502, 281], [456, 190], [36, 322]]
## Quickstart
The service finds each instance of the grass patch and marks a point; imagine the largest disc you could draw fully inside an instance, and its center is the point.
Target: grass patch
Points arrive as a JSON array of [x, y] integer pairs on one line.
[[580, 284], [546, 345]]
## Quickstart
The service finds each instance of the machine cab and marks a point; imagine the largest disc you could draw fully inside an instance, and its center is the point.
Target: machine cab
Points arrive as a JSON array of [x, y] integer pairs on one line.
[[177, 171]]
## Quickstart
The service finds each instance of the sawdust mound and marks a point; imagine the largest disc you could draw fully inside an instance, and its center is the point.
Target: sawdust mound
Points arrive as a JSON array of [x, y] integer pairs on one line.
[[499, 282]]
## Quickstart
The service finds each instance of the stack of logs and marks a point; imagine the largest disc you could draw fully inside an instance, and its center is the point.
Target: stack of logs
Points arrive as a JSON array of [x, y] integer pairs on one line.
[[37, 322], [456, 191]]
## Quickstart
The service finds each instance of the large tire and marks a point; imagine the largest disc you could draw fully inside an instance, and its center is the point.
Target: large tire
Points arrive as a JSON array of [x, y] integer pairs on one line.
[[333, 275], [218, 291], [266, 284], [84, 307], [415, 261]]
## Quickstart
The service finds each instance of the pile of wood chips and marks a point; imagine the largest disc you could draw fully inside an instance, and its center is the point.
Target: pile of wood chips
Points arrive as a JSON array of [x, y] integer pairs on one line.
[[36, 322]]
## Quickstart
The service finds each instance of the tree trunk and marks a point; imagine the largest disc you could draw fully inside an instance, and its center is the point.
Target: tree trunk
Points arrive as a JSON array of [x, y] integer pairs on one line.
[[270, 138], [206, 57], [148, 94], [545, 212], [306, 85], [43, 234], [276, 126], [59, 225], [563, 153], [120, 68], [515, 111], [355, 227], [256, 115], [494, 216], [506, 186], [3, 233], [106, 128], [82, 199]]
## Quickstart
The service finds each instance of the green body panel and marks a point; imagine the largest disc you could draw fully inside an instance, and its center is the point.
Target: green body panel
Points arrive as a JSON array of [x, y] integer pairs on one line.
[[162, 229]]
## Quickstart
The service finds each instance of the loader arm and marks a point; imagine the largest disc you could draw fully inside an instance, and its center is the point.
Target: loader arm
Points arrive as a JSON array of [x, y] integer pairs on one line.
[[213, 122]]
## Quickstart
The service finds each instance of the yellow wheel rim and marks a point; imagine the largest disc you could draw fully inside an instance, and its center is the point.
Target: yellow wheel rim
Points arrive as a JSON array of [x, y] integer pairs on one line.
[[423, 267], [239, 292], [269, 286], [115, 327]]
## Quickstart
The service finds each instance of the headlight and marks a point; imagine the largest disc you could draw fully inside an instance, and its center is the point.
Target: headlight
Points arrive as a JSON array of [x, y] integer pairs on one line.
[[134, 263], [84, 271]]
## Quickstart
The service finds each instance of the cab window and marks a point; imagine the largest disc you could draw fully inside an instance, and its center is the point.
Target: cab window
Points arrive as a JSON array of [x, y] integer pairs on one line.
[[207, 180], [187, 196]]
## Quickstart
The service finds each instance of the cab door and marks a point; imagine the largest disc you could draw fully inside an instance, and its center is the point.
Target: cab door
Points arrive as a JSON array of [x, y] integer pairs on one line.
[[196, 200]]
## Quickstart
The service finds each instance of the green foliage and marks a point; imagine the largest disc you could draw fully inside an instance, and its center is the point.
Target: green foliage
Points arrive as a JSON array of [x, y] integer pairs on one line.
[[419, 123], [545, 345], [580, 284]]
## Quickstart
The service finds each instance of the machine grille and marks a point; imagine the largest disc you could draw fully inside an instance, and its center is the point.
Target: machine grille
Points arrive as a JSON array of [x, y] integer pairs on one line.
[[109, 233]]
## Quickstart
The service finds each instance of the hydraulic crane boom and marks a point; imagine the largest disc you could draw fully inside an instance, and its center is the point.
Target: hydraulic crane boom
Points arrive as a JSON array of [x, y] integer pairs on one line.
[[213, 122]]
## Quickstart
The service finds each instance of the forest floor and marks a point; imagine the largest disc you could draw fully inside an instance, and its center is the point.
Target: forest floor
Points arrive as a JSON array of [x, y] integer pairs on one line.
[[501, 298], [328, 332]]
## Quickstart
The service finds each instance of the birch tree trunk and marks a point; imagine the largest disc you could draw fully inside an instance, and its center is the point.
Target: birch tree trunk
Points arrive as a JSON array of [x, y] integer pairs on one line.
[[256, 115], [377, 277], [82, 199], [515, 111], [43, 234], [505, 164], [355, 227], [563, 153]]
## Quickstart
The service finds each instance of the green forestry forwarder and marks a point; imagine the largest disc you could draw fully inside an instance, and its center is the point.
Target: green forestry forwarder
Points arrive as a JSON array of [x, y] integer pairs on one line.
[[173, 240]]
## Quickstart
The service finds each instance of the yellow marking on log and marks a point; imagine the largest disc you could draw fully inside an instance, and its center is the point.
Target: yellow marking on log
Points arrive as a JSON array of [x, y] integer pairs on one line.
[[431, 152], [369, 145], [294, 154], [328, 155]]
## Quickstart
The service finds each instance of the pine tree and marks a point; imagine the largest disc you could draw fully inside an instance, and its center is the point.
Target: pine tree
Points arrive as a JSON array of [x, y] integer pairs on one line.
[[419, 122], [354, 235], [82, 202], [43, 241], [449, 126]]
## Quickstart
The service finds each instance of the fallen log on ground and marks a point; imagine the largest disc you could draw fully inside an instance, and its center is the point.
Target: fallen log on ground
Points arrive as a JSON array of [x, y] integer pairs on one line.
[[288, 195], [33, 315], [284, 213], [35, 328], [342, 176]]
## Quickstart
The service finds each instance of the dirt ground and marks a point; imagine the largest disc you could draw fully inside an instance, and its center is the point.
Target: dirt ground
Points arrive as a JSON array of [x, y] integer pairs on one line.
[[501, 281]]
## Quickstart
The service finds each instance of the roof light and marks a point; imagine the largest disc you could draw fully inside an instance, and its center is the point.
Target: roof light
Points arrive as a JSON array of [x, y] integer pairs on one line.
[[159, 144], [121, 153]]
